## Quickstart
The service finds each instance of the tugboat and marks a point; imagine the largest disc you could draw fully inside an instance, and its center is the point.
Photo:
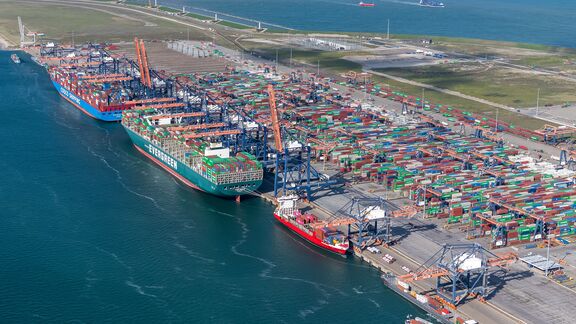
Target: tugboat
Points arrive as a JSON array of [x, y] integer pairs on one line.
[[431, 3], [15, 59], [309, 227], [365, 4]]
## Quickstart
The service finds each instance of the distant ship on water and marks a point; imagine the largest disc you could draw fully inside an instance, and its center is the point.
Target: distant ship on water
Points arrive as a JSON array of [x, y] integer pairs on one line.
[[431, 3], [15, 58], [366, 4]]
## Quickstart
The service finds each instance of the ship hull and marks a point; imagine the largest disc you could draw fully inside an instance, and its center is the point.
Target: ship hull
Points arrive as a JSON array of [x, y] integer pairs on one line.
[[310, 238], [85, 107], [183, 172]]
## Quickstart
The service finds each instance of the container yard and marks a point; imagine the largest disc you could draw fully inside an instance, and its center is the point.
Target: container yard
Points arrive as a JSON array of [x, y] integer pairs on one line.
[[478, 199]]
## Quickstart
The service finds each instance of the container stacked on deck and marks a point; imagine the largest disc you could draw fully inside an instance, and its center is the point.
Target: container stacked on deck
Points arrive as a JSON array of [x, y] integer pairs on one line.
[[220, 170], [104, 96]]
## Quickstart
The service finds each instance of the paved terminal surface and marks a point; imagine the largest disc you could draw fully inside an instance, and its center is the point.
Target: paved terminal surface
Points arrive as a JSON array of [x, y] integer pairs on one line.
[[523, 293], [396, 107], [519, 295], [173, 61]]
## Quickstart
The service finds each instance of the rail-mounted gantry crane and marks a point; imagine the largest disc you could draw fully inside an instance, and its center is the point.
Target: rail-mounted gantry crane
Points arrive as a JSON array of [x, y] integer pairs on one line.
[[460, 271], [293, 168]]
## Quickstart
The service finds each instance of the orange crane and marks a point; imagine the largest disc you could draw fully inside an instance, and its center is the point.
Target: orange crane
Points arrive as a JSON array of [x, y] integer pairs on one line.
[[83, 64], [275, 119], [139, 59], [145, 63], [502, 259], [180, 115], [142, 61], [162, 106], [110, 79], [427, 273], [210, 134], [406, 211], [196, 127], [98, 76], [63, 58], [147, 101]]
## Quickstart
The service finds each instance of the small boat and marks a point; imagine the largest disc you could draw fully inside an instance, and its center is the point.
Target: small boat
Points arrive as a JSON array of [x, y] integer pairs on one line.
[[431, 3], [365, 4], [309, 227], [417, 320], [15, 59]]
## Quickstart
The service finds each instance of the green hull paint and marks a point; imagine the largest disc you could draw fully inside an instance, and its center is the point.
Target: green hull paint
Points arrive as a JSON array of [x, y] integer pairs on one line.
[[187, 174]]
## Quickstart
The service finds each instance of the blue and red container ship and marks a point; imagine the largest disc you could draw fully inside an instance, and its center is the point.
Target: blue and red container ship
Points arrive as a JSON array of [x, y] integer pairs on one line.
[[93, 94]]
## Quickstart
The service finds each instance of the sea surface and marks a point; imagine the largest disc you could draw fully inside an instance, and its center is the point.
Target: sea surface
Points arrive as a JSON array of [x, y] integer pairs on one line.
[[92, 232], [549, 22]]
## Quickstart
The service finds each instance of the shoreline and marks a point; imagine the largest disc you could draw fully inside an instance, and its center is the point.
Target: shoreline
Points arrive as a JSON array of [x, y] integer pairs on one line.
[[334, 33]]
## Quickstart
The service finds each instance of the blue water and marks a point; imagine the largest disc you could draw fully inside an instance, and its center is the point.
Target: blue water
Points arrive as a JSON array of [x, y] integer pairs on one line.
[[548, 22], [92, 232]]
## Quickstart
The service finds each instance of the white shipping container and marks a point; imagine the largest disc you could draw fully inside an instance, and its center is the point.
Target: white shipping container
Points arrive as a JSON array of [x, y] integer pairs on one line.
[[403, 285], [422, 298]]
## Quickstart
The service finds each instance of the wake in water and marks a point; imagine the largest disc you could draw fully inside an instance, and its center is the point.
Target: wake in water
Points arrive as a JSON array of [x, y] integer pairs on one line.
[[191, 253], [323, 289], [120, 179]]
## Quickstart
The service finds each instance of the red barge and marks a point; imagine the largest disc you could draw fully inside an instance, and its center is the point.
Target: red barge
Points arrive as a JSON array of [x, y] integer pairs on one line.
[[309, 227]]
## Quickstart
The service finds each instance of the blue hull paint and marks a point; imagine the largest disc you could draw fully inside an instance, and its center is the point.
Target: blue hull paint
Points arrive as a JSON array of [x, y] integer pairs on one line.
[[86, 107]]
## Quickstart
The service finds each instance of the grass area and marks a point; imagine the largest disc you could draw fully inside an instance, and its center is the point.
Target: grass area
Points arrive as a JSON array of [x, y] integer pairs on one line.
[[486, 43], [233, 25], [110, 25], [202, 17], [332, 61], [496, 84], [168, 9], [552, 61], [196, 16], [463, 104]]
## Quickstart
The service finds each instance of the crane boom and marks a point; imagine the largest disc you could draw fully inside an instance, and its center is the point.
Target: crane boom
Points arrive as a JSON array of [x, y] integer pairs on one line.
[[275, 119], [139, 58], [145, 64]]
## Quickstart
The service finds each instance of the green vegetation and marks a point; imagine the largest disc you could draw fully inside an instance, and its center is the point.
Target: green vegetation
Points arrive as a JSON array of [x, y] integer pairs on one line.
[[87, 23], [463, 104], [233, 25], [334, 64], [168, 9], [500, 85], [196, 16], [202, 17], [332, 61], [550, 61]]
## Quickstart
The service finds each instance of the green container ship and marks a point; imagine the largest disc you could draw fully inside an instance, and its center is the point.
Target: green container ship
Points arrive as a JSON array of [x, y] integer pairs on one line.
[[202, 165]]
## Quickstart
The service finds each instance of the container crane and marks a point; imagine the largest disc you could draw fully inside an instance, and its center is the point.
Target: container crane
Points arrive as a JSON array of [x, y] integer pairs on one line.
[[142, 62], [196, 127], [293, 169], [275, 119], [461, 270]]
